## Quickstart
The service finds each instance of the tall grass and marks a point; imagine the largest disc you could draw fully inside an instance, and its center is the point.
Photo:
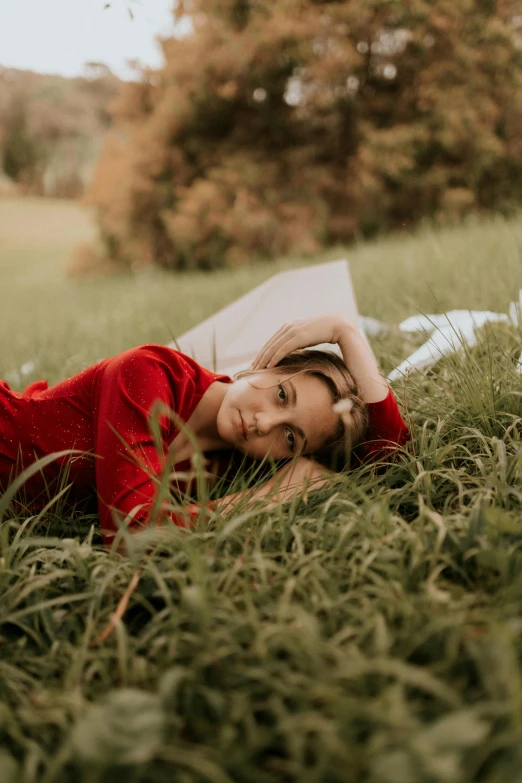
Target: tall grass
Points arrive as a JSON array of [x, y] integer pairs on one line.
[[372, 633]]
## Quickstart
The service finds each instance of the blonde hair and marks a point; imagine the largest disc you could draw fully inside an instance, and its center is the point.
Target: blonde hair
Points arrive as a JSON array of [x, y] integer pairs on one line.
[[329, 368]]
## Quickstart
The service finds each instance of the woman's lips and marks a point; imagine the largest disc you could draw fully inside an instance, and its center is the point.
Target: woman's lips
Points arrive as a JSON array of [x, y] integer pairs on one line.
[[242, 428]]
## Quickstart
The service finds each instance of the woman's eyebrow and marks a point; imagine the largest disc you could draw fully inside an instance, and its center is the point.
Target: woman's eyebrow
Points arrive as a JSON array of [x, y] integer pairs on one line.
[[294, 403], [301, 435], [294, 393]]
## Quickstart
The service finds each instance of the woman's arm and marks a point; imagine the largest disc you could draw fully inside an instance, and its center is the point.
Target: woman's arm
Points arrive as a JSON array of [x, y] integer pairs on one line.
[[292, 480], [132, 432], [361, 362], [335, 329], [386, 426]]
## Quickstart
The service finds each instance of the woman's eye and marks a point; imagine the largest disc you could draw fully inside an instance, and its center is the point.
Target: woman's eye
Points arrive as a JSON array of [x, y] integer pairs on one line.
[[290, 439], [281, 393]]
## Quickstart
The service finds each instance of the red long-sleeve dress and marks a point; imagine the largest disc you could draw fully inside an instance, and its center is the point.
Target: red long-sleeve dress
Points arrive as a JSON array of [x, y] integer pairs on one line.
[[104, 414]]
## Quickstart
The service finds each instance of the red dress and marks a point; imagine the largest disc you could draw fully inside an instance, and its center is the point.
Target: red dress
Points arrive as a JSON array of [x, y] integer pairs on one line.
[[105, 412]]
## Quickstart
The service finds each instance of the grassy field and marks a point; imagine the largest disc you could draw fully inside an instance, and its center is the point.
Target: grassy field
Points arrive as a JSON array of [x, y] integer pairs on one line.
[[372, 635]]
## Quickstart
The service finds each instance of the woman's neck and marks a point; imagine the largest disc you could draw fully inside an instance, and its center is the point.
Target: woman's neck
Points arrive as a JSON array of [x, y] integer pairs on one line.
[[203, 423], [206, 413]]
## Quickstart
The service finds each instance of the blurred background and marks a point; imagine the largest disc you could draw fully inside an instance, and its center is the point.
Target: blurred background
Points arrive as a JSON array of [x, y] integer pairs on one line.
[[211, 133], [61, 65]]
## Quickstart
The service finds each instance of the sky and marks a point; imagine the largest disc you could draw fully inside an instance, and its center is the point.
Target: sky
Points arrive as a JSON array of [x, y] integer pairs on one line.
[[60, 36]]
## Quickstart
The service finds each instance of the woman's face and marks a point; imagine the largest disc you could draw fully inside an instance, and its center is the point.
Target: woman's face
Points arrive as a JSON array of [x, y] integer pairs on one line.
[[278, 414]]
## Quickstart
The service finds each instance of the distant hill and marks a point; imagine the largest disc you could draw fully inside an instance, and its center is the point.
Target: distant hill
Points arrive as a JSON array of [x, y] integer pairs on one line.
[[52, 128]]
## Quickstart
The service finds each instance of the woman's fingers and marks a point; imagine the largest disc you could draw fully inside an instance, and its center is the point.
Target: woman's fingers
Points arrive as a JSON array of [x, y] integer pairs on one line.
[[285, 344], [298, 334], [260, 361], [268, 349], [279, 349], [281, 352], [290, 337], [266, 355]]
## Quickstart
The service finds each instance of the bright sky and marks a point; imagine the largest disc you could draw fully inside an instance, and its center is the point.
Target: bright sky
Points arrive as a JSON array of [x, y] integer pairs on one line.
[[59, 36]]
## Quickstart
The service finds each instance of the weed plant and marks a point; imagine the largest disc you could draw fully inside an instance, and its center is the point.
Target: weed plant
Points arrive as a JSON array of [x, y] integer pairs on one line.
[[370, 634]]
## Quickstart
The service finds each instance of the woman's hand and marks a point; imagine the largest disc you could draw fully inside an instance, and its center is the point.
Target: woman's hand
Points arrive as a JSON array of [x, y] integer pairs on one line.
[[294, 479], [301, 334], [357, 353]]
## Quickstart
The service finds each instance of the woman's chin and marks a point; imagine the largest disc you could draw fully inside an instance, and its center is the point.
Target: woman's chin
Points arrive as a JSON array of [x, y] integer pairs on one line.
[[243, 446], [246, 449]]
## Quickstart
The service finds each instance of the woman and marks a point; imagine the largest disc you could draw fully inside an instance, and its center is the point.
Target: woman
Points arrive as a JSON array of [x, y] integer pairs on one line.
[[122, 417]]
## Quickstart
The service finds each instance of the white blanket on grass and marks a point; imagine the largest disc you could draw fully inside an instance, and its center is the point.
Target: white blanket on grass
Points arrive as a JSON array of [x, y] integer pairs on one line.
[[229, 340], [448, 333]]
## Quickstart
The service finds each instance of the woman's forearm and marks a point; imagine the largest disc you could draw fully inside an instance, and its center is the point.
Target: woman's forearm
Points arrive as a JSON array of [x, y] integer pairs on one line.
[[292, 480], [357, 354], [361, 362]]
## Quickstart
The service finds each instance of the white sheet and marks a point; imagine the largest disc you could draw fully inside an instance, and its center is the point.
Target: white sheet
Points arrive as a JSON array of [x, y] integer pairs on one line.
[[229, 341], [449, 332]]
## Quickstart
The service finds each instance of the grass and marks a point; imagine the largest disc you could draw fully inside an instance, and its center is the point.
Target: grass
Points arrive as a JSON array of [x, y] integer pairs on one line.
[[371, 635]]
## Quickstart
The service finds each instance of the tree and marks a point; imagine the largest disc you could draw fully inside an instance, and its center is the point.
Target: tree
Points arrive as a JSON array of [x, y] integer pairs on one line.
[[51, 127], [287, 126], [23, 155]]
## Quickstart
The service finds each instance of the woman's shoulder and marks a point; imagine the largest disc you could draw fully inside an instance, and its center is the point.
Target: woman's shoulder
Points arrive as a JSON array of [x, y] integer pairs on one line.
[[386, 430], [385, 420], [152, 360]]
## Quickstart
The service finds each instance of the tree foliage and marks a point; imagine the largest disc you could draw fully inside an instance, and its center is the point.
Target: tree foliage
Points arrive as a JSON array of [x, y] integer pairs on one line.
[[287, 126], [23, 155], [51, 127]]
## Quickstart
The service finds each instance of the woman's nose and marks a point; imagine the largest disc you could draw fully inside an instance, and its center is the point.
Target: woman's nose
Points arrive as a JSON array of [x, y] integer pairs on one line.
[[265, 422]]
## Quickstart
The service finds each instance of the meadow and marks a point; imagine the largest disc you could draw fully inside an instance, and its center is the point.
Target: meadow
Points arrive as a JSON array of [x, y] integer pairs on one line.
[[371, 634]]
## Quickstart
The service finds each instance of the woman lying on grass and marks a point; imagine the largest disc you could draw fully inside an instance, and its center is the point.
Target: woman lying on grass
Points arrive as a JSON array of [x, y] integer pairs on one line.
[[282, 408]]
